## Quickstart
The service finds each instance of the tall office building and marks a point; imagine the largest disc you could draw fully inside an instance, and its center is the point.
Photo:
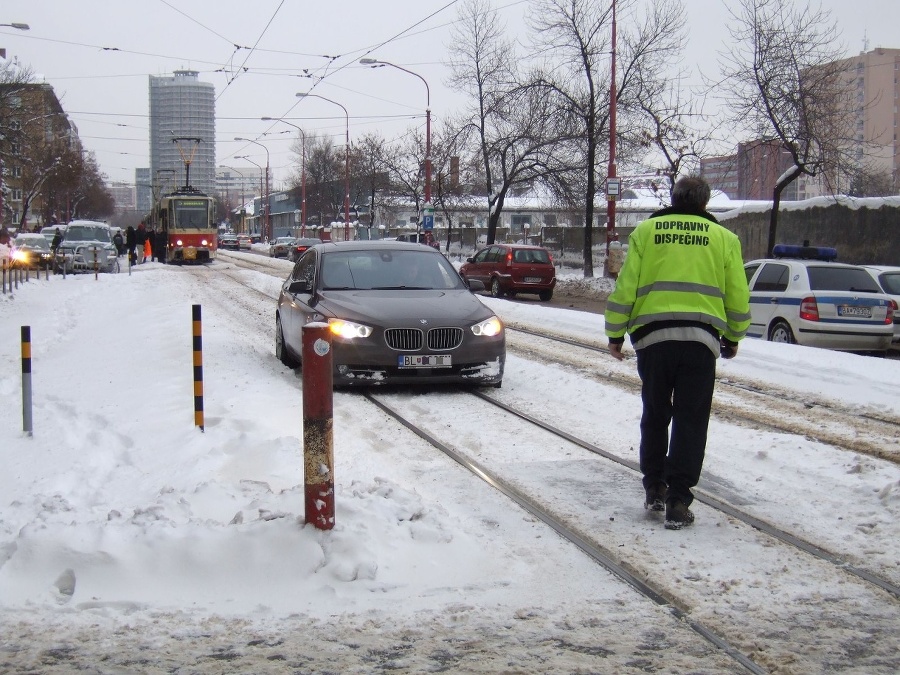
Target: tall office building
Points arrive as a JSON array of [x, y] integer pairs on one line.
[[182, 124]]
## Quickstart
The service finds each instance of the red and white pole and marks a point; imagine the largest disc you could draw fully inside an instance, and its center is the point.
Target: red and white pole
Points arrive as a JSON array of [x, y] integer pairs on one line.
[[318, 438]]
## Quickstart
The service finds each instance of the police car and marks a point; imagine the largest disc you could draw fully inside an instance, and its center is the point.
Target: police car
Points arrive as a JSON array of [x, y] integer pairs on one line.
[[801, 296]]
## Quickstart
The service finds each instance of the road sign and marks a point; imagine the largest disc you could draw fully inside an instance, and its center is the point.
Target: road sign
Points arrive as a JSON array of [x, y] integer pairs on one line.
[[427, 216]]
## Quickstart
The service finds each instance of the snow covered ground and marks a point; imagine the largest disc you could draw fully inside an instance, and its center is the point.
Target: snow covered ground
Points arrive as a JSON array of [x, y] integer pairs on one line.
[[132, 542]]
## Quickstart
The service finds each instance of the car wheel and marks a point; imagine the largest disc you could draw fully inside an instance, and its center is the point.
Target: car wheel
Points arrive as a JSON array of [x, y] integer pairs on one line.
[[281, 350], [546, 296], [781, 332], [496, 291]]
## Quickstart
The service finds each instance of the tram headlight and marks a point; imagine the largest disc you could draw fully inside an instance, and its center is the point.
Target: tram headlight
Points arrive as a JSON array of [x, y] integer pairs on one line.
[[179, 242], [203, 242]]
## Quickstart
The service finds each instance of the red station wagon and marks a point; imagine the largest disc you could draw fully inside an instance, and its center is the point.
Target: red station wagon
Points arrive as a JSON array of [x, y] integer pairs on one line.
[[508, 269]]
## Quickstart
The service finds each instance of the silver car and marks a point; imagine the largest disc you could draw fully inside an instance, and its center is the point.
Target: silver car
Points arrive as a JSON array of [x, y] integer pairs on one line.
[[87, 246], [888, 279], [398, 313]]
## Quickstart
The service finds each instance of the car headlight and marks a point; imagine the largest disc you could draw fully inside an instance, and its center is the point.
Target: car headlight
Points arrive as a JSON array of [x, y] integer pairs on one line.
[[21, 256], [488, 327], [348, 329]]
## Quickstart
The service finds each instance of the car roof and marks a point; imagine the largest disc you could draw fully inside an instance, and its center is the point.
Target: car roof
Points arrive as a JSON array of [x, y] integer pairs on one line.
[[800, 261], [374, 244], [88, 223], [882, 268]]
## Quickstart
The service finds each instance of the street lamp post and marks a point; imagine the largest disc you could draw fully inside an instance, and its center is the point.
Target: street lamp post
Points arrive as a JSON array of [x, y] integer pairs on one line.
[[346, 161], [611, 175], [267, 233], [302, 170], [260, 174], [19, 26], [378, 64]]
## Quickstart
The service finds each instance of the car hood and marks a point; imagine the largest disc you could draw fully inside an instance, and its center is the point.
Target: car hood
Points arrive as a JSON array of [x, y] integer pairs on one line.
[[404, 307]]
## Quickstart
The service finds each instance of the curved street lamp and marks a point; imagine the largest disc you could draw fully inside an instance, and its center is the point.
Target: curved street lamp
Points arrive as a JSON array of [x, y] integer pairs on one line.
[[247, 157], [375, 63], [302, 170], [19, 26], [346, 161], [266, 233]]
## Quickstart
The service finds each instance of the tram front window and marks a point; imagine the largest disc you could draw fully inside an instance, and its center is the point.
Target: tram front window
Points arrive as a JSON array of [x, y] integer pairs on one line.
[[191, 219]]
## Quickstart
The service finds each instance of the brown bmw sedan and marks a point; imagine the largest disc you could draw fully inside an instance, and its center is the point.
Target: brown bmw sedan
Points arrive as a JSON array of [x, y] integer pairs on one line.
[[399, 313]]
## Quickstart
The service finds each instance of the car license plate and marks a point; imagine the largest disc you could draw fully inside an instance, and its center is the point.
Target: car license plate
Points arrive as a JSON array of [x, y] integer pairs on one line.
[[852, 310], [418, 361], [532, 280], [190, 253]]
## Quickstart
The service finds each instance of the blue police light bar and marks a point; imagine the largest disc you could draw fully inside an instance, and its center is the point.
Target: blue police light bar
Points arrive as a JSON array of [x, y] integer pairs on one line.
[[825, 253]]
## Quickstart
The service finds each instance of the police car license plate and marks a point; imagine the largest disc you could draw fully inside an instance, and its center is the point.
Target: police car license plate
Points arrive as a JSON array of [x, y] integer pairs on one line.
[[190, 253], [852, 310], [532, 280], [419, 361]]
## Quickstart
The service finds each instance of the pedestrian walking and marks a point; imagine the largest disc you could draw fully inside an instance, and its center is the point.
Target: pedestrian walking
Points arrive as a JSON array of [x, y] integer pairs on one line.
[[119, 243], [682, 297], [159, 245], [131, 245], [140, 241]]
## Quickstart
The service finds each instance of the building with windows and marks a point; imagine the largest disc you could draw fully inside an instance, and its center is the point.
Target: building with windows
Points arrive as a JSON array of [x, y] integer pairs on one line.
[[183, 129]]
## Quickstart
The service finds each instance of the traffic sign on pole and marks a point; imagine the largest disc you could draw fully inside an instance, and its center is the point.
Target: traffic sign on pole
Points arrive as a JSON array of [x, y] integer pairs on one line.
[[427, 216]]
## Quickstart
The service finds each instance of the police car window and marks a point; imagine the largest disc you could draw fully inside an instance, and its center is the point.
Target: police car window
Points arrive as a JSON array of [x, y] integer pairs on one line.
[[829, 278], [891, 282], [750, 270], [773, 278]]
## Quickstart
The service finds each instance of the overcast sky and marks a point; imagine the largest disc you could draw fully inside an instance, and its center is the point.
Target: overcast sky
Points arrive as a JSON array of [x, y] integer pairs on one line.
[[97, 54]]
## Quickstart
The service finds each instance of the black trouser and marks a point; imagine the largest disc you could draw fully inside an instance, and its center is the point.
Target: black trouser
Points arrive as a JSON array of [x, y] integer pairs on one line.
[[678, 380]]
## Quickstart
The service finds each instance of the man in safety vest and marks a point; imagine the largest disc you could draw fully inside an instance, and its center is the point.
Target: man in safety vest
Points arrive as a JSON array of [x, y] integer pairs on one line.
[[682, 297]]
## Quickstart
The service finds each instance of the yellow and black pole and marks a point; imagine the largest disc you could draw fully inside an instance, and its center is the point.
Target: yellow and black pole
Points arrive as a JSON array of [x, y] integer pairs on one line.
[[26, 381], [198, 367]]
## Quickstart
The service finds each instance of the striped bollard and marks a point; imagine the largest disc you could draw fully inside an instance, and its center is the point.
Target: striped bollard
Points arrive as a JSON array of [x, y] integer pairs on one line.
[[198, 367], [27, 426], [318, 440]]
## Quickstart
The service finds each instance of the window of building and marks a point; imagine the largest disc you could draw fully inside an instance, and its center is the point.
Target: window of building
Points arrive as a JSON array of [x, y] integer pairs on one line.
[[16, 195]]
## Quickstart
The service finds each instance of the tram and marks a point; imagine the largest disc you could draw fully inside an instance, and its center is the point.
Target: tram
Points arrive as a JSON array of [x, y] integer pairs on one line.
[[188, 219]]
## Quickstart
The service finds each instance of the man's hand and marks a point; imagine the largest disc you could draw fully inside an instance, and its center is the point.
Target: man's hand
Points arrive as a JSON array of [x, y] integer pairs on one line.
[[729, 349], [615, 350]]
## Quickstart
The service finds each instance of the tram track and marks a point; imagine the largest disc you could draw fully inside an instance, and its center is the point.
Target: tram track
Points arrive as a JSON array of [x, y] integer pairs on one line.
[[557, 514]]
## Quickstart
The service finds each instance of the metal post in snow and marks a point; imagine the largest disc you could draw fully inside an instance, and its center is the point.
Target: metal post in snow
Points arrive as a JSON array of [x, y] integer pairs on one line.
[[318, 440], [198, 366], [27, 426]]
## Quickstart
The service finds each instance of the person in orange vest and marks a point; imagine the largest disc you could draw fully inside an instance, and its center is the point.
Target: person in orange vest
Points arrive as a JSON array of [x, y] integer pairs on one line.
[[148, 249]]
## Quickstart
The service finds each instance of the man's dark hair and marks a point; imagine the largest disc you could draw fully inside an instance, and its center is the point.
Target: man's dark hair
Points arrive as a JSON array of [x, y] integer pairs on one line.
[[691, 192]]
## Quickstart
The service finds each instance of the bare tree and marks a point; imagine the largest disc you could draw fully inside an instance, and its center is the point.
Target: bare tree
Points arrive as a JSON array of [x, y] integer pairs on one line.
[[576, 35], [507, 122], [785, 81], [371, 179]]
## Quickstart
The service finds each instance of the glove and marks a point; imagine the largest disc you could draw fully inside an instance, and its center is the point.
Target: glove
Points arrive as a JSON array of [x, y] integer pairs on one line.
[[728, 348]]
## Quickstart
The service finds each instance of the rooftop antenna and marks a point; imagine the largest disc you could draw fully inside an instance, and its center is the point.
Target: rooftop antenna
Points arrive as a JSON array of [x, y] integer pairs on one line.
[[865, 42]]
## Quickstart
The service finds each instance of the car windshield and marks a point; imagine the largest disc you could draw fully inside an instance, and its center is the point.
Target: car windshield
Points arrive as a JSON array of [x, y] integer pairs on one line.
[[828, 278], [384, 269], [284, 240], [33, 242], [87, 233], [891, 282]]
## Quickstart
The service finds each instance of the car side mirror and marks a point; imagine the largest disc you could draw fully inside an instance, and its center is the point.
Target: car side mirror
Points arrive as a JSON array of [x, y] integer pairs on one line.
[[475, 285], [300, 286]]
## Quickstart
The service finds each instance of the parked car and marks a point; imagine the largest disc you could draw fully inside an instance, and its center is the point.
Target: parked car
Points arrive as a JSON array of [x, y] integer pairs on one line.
[[298, 248], [87, 246], [508, 269], [255, 238], [803, 297], [425, 237], [888, 279], [32, 250], [228, 242], [244, 242], [50, 231], [398, 313], [280, 247]]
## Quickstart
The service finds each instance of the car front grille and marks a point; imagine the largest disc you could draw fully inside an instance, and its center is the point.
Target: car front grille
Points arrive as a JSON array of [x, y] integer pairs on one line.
[[412, 339]]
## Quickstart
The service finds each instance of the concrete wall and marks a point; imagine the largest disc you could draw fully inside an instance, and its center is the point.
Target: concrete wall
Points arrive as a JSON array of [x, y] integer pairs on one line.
[[861, 236]]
